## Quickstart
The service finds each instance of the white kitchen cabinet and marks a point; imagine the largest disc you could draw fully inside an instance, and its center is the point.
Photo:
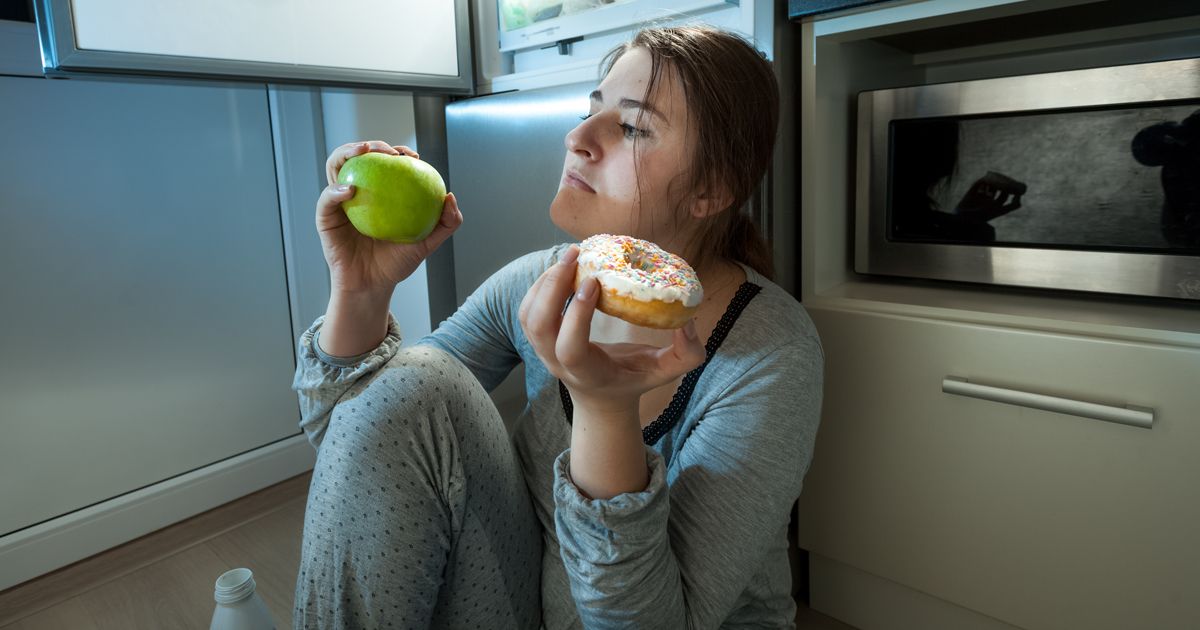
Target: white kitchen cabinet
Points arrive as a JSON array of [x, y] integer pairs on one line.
[[929, 510], [1040, 519]]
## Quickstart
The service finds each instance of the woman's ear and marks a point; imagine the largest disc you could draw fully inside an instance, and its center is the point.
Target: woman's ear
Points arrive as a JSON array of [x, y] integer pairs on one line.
[[706, 205]]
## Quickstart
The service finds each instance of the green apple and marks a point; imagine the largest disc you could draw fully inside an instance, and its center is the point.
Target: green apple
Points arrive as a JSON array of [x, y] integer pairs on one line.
[[396, 198]]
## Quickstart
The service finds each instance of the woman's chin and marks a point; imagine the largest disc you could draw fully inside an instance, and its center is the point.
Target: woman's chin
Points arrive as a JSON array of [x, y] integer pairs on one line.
[[563, 214], [582, 215]]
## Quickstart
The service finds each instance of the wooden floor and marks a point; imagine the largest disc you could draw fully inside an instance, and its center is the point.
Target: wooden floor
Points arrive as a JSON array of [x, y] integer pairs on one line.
[[165, 580]]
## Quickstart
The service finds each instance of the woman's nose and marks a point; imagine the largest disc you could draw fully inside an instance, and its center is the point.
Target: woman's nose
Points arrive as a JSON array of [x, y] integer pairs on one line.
[[582, 140]]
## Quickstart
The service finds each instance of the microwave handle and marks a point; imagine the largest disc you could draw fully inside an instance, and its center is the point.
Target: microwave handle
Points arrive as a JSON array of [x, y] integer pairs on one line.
[[1133, 416]]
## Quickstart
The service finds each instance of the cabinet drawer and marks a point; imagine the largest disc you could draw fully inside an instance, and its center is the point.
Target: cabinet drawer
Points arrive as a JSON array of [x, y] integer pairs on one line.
[[1037, 518]]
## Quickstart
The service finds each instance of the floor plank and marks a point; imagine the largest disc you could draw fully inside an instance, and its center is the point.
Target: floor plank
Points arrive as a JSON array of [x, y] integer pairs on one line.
[[69, 614], [175, 593]]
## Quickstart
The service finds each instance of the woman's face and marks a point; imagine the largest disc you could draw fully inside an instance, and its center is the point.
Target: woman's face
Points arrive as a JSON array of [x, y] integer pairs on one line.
[[629, 140]]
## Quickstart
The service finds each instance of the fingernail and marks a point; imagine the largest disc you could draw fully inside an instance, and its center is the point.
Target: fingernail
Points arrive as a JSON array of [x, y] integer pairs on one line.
[[342, 188], [586, 290], [690, 329], [569, 256]]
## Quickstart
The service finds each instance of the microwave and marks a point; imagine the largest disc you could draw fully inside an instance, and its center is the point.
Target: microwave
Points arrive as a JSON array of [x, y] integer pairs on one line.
[[1084, 180]]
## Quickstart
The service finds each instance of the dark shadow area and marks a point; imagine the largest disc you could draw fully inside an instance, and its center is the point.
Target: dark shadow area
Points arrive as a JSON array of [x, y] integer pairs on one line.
[[16, 10], [925, 155], [1175, 146]]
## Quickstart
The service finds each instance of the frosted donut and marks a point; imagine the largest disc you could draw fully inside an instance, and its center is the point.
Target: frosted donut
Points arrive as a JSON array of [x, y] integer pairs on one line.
[[640, 282]]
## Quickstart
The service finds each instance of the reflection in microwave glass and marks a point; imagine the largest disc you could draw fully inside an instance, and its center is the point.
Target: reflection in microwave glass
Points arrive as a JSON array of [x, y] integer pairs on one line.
[[1114, 179]]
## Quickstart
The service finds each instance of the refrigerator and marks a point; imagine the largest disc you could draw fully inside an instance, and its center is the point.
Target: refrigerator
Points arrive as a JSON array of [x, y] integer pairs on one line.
[[505, 156]]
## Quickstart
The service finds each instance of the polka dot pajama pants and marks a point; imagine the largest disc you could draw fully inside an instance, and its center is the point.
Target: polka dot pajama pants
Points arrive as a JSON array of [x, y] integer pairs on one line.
[[418, 515]]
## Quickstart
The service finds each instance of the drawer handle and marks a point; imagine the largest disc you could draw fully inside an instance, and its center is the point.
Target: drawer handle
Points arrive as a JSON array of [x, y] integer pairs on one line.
[[1132, 416]]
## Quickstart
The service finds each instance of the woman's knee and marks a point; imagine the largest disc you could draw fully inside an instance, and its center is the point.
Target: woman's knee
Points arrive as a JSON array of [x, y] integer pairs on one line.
[[417, 384], [418, 381], [406, 426]]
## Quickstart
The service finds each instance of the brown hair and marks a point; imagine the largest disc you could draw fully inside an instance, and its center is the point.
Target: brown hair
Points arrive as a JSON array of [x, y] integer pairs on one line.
[[733, 99]]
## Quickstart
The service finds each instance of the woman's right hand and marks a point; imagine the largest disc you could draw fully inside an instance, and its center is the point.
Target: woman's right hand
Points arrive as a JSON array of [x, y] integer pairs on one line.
[[359, 264]]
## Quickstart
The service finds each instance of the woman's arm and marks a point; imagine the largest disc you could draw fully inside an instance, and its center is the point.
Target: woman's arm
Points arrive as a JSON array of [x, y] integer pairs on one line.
[[354, 338], [681, 552], [608, 456], [322, 380], [355, 322], [606, 381]]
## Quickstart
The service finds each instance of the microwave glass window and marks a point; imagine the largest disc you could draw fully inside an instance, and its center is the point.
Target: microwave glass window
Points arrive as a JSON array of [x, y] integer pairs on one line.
[[1103, 179]]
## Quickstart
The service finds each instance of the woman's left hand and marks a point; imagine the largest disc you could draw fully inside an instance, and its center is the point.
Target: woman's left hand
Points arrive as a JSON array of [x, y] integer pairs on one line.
[[601, 377]]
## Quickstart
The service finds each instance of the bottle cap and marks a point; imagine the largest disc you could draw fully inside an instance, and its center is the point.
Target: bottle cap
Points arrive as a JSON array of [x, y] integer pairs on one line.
[[234, 585]]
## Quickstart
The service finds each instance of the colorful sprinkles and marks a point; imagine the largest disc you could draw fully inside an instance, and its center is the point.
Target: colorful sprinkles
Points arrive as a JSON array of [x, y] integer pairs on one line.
[[666, 276]]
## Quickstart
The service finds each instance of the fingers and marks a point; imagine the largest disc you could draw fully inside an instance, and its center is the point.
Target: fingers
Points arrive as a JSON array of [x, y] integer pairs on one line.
[[562, 338], [339, 156], [541, 310], [648, 367], [659, 366], [451, 220], [684, 355], [527, 302], [451, 216], [329, 206], [573, 345], [980, 189], [407, 151]]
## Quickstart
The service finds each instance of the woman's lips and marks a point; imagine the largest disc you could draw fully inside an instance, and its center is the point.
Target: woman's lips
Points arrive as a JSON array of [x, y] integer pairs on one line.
[[575, 181]]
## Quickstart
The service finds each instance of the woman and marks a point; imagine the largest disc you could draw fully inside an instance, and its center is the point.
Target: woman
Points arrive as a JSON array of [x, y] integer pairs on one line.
[[649, 482]]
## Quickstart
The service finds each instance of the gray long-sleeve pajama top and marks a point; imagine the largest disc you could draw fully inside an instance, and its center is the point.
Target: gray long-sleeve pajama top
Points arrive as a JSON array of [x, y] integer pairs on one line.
[[705, 544]]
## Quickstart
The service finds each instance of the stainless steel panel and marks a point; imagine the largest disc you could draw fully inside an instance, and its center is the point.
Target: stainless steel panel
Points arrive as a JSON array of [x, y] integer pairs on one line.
[[145, 325], [298, 134], [1108, 272], [429, 112], [19, 49], [506, 156]]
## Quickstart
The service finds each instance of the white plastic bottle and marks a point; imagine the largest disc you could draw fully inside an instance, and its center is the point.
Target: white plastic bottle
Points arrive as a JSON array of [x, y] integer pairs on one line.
[[238, 606]]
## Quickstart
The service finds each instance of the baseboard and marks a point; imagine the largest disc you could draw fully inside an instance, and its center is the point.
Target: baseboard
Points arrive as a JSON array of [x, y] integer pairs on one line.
[[37, 550], [869, 602]]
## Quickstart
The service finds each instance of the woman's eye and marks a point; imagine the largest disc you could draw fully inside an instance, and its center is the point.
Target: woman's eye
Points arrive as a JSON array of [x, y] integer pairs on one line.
[[632, 132], [627, 129]]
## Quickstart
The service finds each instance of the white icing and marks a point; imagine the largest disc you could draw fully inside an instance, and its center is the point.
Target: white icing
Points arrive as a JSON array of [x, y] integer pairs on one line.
[[592, 264]]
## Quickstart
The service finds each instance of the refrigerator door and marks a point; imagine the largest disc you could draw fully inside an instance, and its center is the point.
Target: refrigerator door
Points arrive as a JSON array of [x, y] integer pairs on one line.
[[146, 329], [506, 156]]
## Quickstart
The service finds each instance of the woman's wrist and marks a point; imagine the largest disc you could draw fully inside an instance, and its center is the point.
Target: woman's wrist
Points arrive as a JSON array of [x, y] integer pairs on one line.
[[355, 322], [607, 453], [608, 409]]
